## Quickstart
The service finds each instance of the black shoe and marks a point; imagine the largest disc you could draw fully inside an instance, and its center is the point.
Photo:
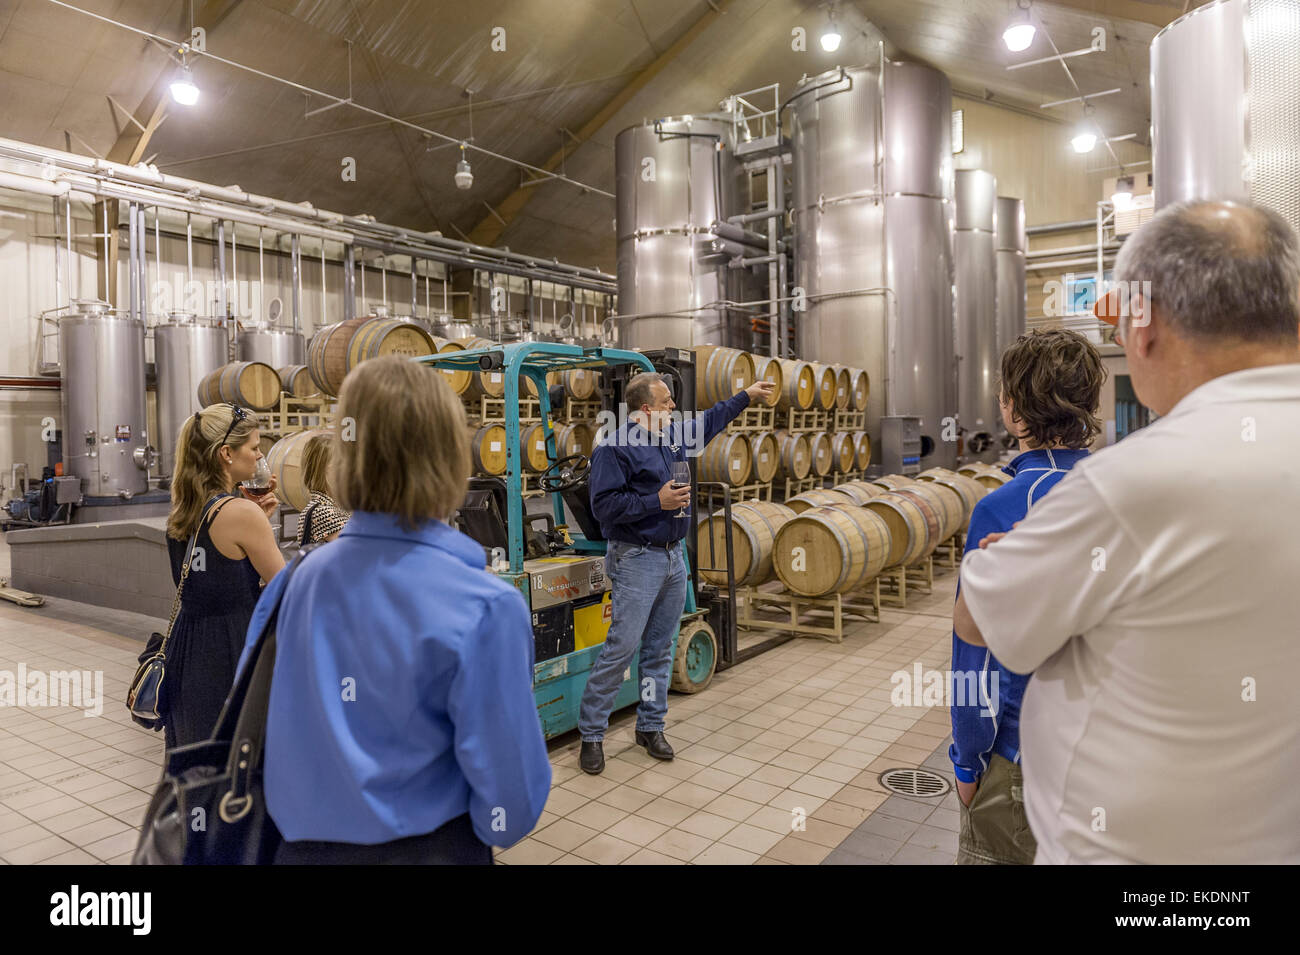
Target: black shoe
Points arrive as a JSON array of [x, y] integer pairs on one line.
[[592, 759], [654, 744]]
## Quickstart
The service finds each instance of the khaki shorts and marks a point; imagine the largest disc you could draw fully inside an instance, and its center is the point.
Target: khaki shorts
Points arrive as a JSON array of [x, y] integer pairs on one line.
[[994, 828]]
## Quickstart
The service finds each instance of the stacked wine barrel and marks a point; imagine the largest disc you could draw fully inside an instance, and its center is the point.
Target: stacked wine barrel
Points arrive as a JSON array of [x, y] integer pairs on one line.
[[336, 349], [248, 384], [988, 475], [838, 539]]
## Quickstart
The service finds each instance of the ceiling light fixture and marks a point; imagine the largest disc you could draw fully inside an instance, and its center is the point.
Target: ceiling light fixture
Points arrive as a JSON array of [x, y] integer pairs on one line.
[[1020, 34], [1084, 142], [464, 175], [183, 89], [831, 38], [1122, 197]]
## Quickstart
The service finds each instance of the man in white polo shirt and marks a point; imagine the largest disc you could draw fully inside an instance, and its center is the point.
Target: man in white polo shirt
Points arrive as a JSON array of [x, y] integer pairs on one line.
[[1155, 593]]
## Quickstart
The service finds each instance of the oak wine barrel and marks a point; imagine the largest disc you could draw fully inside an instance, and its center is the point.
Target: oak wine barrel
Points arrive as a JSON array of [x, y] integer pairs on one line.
[[909, 532], [720, 373], [828, 550], [285, 461], [767, 368], [488, 449], [726, 459], [765, 456], [798, 385], [754, 526], [249, 384], [796, 454]]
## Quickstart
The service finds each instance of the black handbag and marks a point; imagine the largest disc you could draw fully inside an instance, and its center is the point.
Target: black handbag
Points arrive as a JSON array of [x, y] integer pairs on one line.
[[210, 808], [146, 699]]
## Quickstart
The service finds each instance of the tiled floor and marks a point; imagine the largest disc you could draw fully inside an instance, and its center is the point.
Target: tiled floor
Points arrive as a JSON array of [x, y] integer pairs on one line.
[[777, 761]]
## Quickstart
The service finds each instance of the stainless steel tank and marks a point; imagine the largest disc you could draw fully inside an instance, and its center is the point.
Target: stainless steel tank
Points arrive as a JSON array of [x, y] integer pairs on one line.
[[975, 311], [1225, 80], [872, 198], [105, 436], [1012, 244], [276, 347], [673, 179], [185, 349]]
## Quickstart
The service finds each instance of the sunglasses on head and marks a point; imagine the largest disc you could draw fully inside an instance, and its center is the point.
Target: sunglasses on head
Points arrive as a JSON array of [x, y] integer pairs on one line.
[[238, 414]]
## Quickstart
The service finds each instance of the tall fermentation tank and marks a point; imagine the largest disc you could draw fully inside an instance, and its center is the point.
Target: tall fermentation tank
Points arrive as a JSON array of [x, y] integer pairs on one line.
[[105, 438], [872, 198], [1225, 81], [975, 311], [1012, 244], [185, 349], [276, 347], [673, 179]]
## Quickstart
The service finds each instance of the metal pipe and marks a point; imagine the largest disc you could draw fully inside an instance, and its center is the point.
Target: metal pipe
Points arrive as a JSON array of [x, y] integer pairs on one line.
[[755, 260], [108, 296], [349, 285], [1049, 227], [157, 249], [1064, 263], [737, 234], [383, 279], [189, 248], [261, 266], [58, 270], [221, 273], [67, 222], [132, 250], [142, 276], [320, 319], [295, 278], [749, 217], [413, 287], [1066, 249]]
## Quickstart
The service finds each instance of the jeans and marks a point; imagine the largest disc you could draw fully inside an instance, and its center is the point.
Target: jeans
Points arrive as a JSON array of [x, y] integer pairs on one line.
[[648, 587]]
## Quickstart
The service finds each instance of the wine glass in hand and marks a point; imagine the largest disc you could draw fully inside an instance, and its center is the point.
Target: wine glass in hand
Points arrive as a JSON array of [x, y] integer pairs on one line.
[[682, 478], [260, 482]]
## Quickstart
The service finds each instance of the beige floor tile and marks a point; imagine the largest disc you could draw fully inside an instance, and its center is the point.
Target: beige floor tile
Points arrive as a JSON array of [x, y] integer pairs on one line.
[[564, 834], [589, 786], [596, 815], [722, 854], [529, 852], [758, 752], [849, 757], [906, 754], [21, 836], [72, 857], [817, 786], [822, 832], [680, 845], [751, 838], [701, 755], [798, 852], [637, 830], [691, 794], [626, 798], [106, 849], [563, 801], [733, 807], [94, 831], [605, 850], [835, 771], [38, 851], [790, 800], [715, 779], [773, 819], [798, 762], [754, 790], [842, 813], [572, 860], [776, 775], [707, 824], [739, 765], [665, 811], [621, 769], [650, 857]]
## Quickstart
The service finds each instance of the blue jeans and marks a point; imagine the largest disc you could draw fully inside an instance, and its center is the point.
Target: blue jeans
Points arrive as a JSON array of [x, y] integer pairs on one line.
[[648, 595]]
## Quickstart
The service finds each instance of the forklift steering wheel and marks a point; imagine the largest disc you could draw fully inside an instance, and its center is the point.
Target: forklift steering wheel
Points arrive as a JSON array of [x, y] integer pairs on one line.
[[565, 473]]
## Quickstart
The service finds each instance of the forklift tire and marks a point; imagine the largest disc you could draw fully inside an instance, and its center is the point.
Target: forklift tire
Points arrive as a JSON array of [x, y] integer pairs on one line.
[[696, 657]]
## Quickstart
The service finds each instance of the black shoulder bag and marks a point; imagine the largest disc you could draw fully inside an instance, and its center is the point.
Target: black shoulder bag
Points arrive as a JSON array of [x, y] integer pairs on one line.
[[210, 808]]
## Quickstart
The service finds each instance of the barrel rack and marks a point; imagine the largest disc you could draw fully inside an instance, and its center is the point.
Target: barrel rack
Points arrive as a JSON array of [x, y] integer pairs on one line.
[[805, 615]]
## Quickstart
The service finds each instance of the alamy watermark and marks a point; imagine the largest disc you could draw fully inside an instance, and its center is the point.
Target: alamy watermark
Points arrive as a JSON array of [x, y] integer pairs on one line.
[[947, 688], [83, 689], [675, 429]]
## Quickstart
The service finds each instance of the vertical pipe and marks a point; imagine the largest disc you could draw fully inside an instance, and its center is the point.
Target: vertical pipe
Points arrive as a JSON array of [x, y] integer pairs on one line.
[[189, 248], [414, 287], [428, 311], [107, 264], [58, 269], [234, 283], [1101, 269], [363, 285], [221, 273], [383, 279], [446, 284], [295, 277], [321, 318], [67, 224], [261, 266], [157, 249], [142, 276], [132, 253], [349, 283]]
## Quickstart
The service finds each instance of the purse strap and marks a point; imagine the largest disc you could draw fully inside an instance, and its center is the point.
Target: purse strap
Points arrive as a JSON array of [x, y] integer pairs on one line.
[[185, 572]]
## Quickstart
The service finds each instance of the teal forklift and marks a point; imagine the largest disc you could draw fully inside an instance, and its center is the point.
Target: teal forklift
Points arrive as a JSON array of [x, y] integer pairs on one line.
[[558, 568]]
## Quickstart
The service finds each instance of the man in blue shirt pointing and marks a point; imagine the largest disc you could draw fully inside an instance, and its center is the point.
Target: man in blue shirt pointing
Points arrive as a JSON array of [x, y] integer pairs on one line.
[[1051, 386], [633, 497]]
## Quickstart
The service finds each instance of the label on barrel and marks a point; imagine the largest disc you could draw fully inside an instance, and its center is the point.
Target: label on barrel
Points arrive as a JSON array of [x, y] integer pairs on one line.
[[494, 377], [841, 392], [735, 465], [763, 457], [740, 383], [494, 446]]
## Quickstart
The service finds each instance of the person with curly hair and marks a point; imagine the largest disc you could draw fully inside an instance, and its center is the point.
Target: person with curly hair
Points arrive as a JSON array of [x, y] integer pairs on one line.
[[1051, 388]]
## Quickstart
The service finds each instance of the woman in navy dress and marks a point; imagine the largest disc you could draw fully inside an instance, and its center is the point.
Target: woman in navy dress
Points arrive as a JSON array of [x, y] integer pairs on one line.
[[235, 553]]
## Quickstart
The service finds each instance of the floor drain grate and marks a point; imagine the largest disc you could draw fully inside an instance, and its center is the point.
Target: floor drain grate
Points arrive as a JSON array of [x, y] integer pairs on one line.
[[914, 782]]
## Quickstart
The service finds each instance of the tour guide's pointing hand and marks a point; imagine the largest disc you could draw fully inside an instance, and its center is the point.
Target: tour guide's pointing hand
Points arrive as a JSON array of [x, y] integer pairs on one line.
[[674, 498], [761, 391]]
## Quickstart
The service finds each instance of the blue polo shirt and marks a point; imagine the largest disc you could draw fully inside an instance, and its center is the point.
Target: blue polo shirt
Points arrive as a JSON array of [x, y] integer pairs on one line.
[[403, 691], [630, 466], [981, 725]]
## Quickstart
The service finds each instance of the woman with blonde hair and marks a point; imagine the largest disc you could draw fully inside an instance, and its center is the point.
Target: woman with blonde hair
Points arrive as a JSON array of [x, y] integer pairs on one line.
[[402, 726], [321, 519], [221, 548]]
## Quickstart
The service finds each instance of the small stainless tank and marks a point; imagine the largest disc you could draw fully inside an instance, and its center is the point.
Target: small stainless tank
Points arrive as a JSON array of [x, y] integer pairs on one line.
[[105, 439], [276, 347], [185, 349], [975, 311]]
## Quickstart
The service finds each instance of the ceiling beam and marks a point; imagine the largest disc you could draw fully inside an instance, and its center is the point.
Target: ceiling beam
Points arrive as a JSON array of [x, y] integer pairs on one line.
[[1155, 12], [490, 229]]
